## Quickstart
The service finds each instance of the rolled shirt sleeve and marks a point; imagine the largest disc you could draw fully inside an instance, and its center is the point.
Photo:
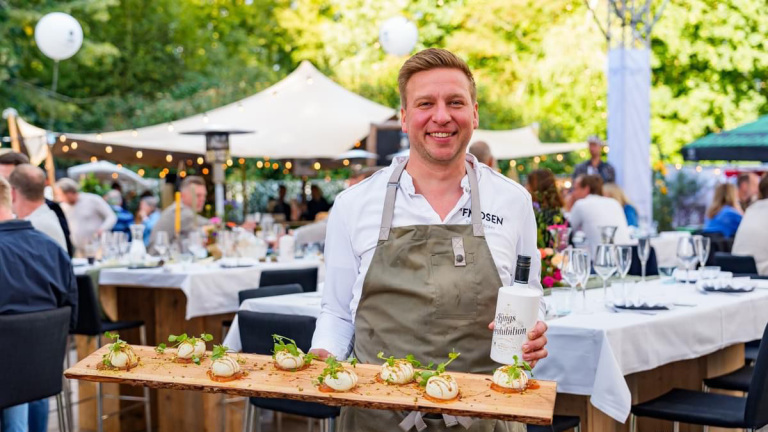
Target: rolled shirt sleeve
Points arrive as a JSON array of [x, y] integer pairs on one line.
[[110, 218], [335, 327]]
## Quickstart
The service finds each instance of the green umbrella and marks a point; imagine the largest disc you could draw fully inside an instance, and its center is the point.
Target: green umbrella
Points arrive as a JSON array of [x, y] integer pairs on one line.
[[747, 142]]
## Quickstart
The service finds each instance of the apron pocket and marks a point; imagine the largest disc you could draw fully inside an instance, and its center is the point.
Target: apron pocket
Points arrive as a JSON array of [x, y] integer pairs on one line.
[[455, 288]]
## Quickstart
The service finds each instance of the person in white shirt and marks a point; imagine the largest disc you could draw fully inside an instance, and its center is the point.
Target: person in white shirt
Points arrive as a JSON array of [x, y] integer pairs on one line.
[[415, 254], [88, 214], [591, 210], [28, 197], [752, 235]]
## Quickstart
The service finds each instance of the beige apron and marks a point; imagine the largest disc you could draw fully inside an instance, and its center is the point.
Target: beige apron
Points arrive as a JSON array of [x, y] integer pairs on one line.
[[429, 289]]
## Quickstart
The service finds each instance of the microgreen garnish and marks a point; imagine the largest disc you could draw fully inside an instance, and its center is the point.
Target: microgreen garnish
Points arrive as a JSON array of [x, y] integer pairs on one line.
[[182, 338], [281, 345], [425, 375], [391, 360], [219, 351], [333, 367], [117, 346], [514, 370], [160, 348]]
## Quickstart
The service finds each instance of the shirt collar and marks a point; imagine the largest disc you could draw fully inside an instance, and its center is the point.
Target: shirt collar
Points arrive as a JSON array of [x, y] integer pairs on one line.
[[15, 225], [406, 181]]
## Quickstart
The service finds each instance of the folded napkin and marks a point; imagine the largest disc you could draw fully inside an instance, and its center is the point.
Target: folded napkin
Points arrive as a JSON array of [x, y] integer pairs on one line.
[[640, 306]]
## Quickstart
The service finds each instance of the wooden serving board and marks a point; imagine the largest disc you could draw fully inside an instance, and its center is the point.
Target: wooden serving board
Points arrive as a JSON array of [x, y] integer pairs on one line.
[[264, 380]]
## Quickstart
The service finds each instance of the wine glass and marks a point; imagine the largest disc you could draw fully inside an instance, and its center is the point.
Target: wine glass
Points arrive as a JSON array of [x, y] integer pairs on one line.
[[580, 259], [702, 248], [686, 253], [643, 252], [195, 245], [606, 263], [624, 255], [161, 243]]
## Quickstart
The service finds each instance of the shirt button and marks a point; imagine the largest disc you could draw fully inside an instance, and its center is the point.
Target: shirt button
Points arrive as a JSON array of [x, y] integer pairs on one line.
[[459, 258]]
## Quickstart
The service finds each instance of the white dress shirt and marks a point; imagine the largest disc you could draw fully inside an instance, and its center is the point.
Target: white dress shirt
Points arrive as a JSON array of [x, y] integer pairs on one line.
[[89, 215], [45, 220], [353, 233], [594, 211], [752, 235]]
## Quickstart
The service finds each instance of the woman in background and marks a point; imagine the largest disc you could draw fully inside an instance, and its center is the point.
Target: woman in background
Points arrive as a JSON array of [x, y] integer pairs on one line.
[[724, 214], [547, 203], [612, 190]]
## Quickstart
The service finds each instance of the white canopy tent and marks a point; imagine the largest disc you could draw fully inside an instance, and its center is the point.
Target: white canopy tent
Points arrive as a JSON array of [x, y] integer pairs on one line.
[[109, 171], [306, 115], [521, 143]]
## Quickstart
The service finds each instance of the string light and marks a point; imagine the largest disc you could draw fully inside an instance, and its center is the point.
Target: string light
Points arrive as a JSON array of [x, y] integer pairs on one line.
[[200, 160], [108, 149], [62, 138], [275, 166], [65, 149], [189, 162], [162, 174], [316, 165], [346, 162], [606, 149], [229, 162], [678, 166], [170, 127], [139, 154], [114, 176], [559, 158], [582, 154], [98, 136], [266, 158], [135, 133], [288, 165], [74, 145], [357, 144], [119, 166], [543, 157], [94, 159], [567, 184], [285, 171], [512, 163], [520, 167], [698, 168], [206, 171], [240, 107], [183, 174], [536, 159], [717, 171], [241, 161], [327, 179], [259, 164], [205, 118], [140, 172], [169, 158]]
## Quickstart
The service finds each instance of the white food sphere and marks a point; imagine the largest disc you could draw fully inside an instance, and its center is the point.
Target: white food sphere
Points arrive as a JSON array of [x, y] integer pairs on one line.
[[200, 348], [401, 373], [123, 358], [398, 36], [288, 361], [344, 380], [442, 387], [225, 367], [58, 35], [502, 379]]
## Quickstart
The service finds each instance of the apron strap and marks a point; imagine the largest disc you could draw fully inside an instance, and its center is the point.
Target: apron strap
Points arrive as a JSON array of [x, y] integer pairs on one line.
[[389, 202]]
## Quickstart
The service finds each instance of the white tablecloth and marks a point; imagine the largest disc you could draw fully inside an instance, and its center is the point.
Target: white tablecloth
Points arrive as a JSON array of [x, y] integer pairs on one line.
[[210, 289], [591, 353]]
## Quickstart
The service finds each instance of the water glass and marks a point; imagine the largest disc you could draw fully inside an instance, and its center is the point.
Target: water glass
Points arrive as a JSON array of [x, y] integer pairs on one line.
[[606, 264], [161, 243], [686, 254], [624, 255], [666, 272], [562, 299]]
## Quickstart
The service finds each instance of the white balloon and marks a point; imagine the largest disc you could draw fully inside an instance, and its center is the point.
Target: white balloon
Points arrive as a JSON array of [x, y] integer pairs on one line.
[[58, 35], [398, 36]]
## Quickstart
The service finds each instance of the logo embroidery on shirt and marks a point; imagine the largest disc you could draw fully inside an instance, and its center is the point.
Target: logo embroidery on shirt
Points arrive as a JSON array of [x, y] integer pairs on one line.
[[488, 217]]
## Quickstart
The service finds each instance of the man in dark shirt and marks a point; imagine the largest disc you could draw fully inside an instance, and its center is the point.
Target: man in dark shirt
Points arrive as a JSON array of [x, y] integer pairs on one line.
[[35, 275], [595, 165], [9, 161]]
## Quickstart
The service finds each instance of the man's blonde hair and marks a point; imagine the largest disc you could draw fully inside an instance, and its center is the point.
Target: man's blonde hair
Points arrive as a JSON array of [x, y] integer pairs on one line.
[[5, 194], [433, 58]]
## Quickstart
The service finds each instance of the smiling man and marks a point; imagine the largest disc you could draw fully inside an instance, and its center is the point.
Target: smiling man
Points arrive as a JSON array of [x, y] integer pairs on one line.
[[416, 253]]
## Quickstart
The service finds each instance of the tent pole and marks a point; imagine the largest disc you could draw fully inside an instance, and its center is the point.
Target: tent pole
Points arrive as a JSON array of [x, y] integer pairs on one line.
[[218, 180], [50, 169], [245, 192], [14, 132]]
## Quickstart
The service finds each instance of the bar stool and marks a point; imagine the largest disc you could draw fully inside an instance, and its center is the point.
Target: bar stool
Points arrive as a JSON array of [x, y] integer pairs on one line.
[[38, 367], [89, 323]]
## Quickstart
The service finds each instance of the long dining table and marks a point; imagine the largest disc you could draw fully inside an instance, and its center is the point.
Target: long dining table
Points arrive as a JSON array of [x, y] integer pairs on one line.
[[606, 359], [192, 298]]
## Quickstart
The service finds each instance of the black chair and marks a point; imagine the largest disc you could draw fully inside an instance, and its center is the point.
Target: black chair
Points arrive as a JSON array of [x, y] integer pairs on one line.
[[710, 409], [651, 266], [90, 323], [36, 345], [264, 291], [736, 264], [256, 330], [307, 278], [718, 243], [750, 351], [559, 424], [737, 380]]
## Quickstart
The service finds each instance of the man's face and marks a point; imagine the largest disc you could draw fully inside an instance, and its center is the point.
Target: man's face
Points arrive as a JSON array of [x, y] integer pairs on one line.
[[579, 191], [69, 197], [5, 170], [194, 196], [595, 149], [440, 115], [281, 193]]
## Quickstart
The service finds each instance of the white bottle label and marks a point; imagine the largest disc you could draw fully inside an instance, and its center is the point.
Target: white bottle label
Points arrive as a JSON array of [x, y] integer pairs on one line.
[[517, 309]]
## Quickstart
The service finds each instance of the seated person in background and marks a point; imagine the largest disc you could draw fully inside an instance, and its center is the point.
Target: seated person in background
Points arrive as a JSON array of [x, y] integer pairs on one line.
[[193, 195], [752, 235], [591, 210], [9, 161], [724, 214], [148, 215], [278, 206], [124, 217], [482, 151], [35, 275], [612, 190], [747, 185], [316, 204], [28, 188]]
